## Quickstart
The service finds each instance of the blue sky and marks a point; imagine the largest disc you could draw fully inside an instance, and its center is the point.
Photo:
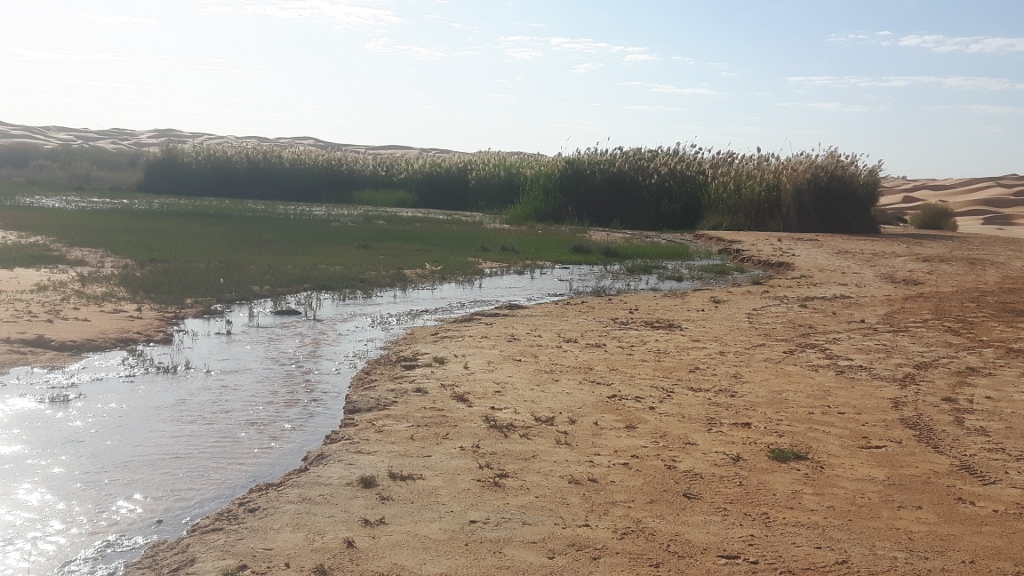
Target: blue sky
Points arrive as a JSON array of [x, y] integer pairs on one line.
[[932, 88]]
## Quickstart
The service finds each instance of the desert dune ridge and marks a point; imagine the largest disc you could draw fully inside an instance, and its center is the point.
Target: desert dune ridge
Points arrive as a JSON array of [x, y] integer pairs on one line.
[[125, 139], [981, 205]]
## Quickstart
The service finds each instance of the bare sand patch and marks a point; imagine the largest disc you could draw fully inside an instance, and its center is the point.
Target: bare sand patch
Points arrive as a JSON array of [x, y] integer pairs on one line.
[[49, 317], [629, 434]]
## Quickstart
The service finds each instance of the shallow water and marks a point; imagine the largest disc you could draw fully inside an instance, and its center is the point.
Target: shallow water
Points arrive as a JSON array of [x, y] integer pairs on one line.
[[102, 456]]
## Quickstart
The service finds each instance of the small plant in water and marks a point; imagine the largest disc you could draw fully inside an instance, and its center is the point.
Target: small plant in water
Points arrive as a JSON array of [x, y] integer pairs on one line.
[[784, 454]]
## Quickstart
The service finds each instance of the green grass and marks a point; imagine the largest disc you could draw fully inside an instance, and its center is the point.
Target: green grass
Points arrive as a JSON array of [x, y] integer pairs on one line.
[[31, 255], [237, 250]]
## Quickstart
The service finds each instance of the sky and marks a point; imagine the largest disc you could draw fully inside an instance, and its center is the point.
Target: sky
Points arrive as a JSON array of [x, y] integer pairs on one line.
[[932, 88]]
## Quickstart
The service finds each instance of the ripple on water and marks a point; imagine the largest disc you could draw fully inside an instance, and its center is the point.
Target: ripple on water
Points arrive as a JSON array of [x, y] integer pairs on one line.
[[102, 456]]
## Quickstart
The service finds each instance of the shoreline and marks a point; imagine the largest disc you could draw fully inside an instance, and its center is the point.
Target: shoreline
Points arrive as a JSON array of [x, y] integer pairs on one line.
[[629, 433]]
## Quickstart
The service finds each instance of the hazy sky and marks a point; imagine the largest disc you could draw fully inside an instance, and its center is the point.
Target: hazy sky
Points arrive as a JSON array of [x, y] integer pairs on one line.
[[934, 88]]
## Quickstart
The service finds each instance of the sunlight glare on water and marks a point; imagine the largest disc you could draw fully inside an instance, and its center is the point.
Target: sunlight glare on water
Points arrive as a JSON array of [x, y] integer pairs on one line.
[[100, 457]]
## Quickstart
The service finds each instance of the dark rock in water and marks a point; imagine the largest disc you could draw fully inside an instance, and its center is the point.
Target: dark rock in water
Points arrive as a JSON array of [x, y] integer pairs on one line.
[[286, 312]]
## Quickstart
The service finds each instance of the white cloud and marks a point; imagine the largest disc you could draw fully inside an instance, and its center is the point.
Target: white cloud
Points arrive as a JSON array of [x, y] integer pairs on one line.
[[984, 108], [883, 38], [345, 14], [588, 46], [522, 47], [830, 106], [532, 47], [385, 44], [123, 20], [586, 67], [653, 108], [970, 44], [937, 42], [669, 89], [959, 82]]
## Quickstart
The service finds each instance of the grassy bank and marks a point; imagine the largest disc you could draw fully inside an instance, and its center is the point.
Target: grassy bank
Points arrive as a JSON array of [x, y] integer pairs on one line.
[[236, 250]]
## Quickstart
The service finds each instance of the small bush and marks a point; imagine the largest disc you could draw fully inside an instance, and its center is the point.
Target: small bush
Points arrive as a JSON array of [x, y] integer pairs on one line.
[[935, 216], [367, 481], [784, 455]]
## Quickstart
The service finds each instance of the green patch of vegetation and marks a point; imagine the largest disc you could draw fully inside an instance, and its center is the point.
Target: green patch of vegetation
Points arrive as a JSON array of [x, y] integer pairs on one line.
[[384, 197], [236, 250], [31, 255], [785, 455], [935, 216]]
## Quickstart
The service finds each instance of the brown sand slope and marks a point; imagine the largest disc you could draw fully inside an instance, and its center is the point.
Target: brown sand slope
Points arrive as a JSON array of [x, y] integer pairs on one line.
[[628, 435], [115, 138], [982, 205]]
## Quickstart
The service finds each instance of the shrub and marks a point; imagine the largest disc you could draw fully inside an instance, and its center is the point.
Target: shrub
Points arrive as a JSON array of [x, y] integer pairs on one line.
[[784, 455], [935, 216]]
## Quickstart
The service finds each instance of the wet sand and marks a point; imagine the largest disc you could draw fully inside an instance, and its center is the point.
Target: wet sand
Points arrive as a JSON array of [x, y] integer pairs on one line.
[[48, 317], [629, 434]]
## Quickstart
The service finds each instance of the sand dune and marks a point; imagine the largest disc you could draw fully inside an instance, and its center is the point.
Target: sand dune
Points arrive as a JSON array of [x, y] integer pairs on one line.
[[982, 205], [119, 138]]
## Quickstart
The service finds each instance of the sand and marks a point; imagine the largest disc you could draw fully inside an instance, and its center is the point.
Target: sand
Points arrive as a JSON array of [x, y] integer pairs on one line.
[[49, 318], [981, 205], [125, 139], [629, 434]]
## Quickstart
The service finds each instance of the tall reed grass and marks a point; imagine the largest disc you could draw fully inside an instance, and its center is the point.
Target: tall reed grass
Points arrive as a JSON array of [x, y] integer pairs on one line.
[[80, 167], [680, 187]]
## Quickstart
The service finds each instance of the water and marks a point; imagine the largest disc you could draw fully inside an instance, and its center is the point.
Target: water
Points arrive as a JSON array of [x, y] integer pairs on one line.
[[100, 457]]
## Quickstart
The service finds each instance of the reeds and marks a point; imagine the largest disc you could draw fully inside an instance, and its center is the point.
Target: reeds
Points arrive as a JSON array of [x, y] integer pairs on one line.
[[80, 167], [680, 187]]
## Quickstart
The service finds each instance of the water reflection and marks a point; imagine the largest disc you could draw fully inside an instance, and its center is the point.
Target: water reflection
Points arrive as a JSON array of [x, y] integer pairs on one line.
[[99, 457]]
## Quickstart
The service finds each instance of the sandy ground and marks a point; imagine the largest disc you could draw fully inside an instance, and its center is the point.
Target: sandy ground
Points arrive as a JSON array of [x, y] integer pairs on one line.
[[629, 434], [49, 318], [981, 205]]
